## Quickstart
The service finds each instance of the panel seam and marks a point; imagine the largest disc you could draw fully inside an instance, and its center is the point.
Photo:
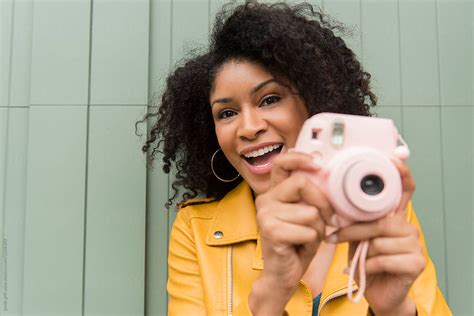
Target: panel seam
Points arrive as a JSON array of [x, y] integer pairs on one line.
[[168, 175], [443, 187], [400, 72], [147, 178], [84, 246]]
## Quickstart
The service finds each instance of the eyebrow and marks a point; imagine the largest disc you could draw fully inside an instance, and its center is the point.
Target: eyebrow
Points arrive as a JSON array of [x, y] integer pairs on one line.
[[252, 91], [261, 85]]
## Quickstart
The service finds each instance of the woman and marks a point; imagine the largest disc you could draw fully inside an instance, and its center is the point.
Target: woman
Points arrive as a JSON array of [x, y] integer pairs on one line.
[[257, 243]]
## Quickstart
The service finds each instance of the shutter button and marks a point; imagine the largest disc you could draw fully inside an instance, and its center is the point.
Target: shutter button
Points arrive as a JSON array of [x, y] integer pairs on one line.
[[218, 234]]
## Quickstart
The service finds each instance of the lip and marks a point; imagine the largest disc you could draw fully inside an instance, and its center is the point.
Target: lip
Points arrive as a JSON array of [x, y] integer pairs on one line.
[[259, 146], [266, 168]]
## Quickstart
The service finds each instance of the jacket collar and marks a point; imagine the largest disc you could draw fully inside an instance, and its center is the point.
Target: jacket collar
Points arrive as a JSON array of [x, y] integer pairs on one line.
[[235, 220]]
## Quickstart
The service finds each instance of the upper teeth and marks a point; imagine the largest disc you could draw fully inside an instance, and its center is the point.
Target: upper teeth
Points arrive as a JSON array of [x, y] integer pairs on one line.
[[262, 151]]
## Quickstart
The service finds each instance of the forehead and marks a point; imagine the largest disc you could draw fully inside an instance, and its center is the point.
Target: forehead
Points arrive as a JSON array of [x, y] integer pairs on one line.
[[239, 72]]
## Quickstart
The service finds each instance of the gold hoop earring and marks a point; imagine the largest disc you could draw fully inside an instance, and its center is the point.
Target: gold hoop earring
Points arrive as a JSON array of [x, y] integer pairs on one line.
[[214, 172]]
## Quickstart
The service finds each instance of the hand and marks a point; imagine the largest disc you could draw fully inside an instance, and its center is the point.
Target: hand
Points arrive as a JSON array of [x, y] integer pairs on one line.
[[395, 257], [291, 217]]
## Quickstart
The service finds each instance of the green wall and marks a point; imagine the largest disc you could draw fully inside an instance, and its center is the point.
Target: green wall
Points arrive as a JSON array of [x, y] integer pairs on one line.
[[83, 224]]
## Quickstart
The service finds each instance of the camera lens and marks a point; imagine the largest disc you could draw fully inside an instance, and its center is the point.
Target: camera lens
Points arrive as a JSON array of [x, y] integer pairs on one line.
[[372, 184]]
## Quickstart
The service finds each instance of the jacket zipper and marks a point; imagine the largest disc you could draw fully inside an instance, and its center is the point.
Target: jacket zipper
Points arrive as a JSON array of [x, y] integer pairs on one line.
[[229, 275]]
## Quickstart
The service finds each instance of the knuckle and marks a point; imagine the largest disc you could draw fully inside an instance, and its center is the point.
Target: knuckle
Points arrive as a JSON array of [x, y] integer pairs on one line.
[[312, 235], [420, 263], [419, 247], [325, 205], [317, 215], [302, 181], [376, 244], [268, 229], [313, 214], [413, 231], [379, 263]]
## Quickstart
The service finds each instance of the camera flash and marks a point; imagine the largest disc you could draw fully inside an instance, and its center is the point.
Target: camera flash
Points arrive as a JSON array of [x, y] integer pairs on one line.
[[337, 138]]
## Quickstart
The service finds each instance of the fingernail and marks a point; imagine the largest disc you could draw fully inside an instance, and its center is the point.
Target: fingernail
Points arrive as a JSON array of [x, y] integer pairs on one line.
[[334, 221], [332, 239]]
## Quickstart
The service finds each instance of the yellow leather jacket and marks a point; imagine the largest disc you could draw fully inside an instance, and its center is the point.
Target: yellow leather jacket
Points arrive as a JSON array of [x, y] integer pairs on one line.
[[215, 257]]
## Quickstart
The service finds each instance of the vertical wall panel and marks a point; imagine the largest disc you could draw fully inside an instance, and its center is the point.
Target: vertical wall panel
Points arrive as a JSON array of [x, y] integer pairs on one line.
[[6, 14], [54, 220], [115, 235], [421, 128], [13, 176], [419, 52], [157, 241], [185, 40], [119, 61], [60, 52], [194, 34], [157, 180], [455, 51], [21, 53], [381, 47], [348, 13], [115, 226], [4, 113], [457, 127]]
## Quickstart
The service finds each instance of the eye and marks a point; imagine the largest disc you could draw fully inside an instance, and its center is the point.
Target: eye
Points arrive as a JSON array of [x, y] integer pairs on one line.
[[270, 100], [225, 114]]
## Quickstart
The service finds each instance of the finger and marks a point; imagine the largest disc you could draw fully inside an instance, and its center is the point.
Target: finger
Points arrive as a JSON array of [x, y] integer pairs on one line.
[[299, 188], [284, 165], [302, 214], [408, 184], [278, 232], [312, 194], [392, 246], [394, 226], [408, 264]]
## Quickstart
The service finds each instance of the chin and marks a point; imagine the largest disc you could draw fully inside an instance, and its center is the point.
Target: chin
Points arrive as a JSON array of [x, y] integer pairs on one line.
[[261, 185]]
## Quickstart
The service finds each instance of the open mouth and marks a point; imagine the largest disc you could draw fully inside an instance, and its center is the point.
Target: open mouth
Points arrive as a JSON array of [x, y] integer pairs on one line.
[[263, 155]]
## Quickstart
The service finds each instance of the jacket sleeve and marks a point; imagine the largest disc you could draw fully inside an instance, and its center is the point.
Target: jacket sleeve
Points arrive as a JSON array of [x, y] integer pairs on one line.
[[425, 292], [185, 291]]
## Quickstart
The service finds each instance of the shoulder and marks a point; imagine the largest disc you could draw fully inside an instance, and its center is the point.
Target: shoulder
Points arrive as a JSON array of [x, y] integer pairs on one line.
[[198, 208]]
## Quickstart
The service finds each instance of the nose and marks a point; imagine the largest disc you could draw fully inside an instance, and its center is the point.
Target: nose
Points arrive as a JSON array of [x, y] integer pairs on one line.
[[251, 124]]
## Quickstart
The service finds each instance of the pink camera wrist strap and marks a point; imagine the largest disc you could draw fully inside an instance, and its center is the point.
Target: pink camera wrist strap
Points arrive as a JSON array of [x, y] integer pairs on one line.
[[359, 258]]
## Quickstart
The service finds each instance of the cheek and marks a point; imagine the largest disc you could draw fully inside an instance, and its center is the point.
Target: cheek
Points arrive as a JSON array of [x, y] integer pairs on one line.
[[225, 140], [294, 128]]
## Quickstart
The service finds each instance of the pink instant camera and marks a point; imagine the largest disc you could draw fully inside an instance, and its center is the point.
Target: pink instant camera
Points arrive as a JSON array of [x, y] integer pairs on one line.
[[357, 175]]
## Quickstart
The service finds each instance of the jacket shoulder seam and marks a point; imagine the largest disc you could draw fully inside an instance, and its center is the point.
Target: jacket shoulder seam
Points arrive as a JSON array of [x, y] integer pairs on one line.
[[199, 208]]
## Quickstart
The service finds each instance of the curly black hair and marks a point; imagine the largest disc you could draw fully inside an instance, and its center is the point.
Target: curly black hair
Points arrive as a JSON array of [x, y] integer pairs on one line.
[[295, 43]]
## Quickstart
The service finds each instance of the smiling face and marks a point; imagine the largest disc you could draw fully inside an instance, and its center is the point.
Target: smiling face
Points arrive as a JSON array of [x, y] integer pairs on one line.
[[256, 118]]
